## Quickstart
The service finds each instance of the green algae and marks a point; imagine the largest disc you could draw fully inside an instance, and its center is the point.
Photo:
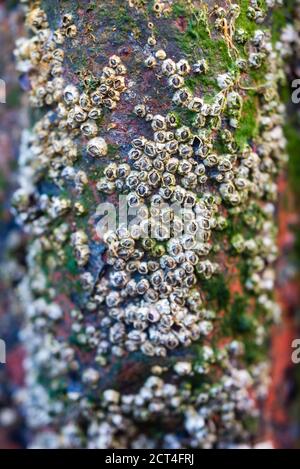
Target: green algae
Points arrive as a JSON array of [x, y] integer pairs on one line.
[[248, 127], [216, 290]]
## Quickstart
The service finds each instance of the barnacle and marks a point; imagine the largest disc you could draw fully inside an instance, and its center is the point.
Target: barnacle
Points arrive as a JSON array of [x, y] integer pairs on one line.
[[97, 147]]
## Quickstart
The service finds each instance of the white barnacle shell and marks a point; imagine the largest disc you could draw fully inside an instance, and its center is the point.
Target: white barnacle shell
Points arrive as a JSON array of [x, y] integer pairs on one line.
[[111, 396], [224, 80], [114, 61], [183, 368], [71, 94], [90, 376], [89, 128], [168, 67], [97, 147], [183, 67]]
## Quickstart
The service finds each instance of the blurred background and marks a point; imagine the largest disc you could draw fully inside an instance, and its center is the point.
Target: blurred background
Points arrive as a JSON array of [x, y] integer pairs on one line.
[[283, 406]]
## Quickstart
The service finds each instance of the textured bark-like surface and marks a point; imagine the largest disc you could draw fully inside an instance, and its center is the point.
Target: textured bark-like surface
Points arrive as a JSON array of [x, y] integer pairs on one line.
[[157, 340]]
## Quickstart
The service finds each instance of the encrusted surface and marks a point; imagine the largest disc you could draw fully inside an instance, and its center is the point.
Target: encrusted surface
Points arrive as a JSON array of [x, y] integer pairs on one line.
[[130, 337]]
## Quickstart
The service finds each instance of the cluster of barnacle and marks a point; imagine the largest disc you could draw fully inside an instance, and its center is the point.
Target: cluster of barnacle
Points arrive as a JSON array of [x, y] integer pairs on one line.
[[172, 168], [163, 312], [41, 153], [84, 110], [144, 267], [162, 7], [41, 57], [159, 398], [51, 146], [224, 22], [258, 169], [209, 416], [255, 11], [79, 241], [162, 169], [138, 4], [207, 114], [159, 7]]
